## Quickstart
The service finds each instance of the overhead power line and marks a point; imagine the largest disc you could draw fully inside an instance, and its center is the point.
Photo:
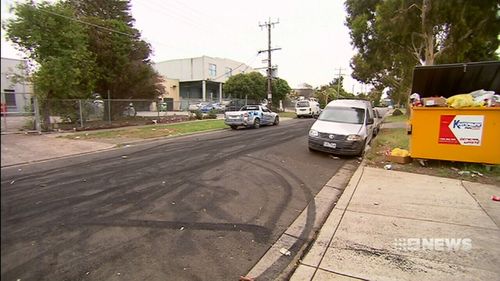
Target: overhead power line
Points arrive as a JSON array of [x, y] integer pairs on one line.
[[132, 35], [242, 64], [102, 27], [87, 23], [340, 74]]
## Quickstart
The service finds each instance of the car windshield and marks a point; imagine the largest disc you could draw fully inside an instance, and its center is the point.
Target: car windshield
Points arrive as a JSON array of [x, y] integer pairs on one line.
[[249, 107], [352, 115], [303, 104]]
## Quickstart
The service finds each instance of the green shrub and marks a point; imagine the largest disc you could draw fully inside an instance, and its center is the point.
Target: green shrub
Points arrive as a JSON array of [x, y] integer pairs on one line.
[[212, 114], [397, 112], [198, 114]]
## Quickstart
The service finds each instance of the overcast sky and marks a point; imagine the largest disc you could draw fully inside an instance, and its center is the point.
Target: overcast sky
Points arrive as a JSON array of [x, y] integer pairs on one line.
[[312, 34]]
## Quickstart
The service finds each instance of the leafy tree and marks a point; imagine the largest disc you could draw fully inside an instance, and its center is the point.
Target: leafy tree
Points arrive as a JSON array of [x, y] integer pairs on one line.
[[104, 9], [251, 85], [122, 58], [393, 36], [325, 94], [374, 96], [280, 89], [329, 92], [57, 47]]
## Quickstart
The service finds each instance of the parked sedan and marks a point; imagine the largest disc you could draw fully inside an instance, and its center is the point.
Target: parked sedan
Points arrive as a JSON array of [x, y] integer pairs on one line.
[[219, 106], [197, 106], [207, 107], [251, 116]]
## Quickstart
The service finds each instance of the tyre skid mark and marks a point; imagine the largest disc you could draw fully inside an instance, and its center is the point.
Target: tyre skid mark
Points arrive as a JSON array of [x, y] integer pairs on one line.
[[136, 201]]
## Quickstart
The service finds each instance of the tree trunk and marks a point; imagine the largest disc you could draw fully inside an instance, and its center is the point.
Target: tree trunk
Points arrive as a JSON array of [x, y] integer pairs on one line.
[[427, 33], [46, 112]]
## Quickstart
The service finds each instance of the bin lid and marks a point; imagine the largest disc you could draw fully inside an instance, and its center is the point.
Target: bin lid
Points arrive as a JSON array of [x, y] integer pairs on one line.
[[452, 79]]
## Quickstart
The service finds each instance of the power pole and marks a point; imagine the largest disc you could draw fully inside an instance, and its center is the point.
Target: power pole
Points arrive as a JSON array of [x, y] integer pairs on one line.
[[268, 25], [338, 81]]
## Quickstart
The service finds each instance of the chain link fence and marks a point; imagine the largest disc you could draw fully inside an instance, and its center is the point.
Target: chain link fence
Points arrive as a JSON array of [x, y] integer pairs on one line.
[[289, 105], [22, 112], [17, 111]]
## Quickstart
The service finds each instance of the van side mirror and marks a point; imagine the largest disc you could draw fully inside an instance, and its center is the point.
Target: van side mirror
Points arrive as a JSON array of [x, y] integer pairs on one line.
[[369, 121]]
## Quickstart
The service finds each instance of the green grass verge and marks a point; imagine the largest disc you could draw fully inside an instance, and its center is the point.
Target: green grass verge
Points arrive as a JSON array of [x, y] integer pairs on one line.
[[153, 131], [287, 114], [399, 118], [388, 139]]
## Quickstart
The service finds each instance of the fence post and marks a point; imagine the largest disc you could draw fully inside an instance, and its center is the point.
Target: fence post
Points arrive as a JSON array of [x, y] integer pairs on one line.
[[81, 114], [158, 108], [38, 126], [109, 107]]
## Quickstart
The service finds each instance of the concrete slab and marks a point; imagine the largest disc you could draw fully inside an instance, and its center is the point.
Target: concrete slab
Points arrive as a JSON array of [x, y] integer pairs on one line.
[[482, 194], [392, 267], [327, 275], [364, 246], [382, 214], [417, 196], [303, 273]]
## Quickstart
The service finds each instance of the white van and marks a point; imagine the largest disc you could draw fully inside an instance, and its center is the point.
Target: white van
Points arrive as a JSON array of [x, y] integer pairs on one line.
[[343, 127], [307, 108]]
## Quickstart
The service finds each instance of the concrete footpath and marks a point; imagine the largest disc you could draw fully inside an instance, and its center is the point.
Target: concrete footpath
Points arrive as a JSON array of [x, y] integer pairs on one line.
[[22, 149], [391, 225]]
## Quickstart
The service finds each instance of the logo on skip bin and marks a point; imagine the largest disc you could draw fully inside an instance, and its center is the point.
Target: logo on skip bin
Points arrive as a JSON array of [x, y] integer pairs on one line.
[[458, 124]]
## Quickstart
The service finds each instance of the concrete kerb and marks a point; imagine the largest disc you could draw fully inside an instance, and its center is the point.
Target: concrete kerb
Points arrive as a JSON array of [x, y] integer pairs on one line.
[[299, 239]]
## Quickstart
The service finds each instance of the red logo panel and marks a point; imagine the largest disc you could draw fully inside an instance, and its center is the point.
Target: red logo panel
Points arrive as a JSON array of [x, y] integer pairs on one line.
[[446, 136]]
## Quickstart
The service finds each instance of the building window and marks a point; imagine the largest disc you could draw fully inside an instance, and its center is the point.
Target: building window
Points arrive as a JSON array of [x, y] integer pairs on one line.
[[229, 72], [212, 70], [10, 97]]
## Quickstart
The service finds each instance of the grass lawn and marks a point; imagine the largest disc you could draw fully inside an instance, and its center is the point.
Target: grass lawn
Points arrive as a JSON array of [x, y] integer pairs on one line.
[[287, 114], [152, 131], [399, 118], [388, 139]]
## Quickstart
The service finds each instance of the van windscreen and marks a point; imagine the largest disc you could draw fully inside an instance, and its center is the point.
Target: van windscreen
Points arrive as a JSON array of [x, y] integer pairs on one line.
[[352, 115], [303, 104]]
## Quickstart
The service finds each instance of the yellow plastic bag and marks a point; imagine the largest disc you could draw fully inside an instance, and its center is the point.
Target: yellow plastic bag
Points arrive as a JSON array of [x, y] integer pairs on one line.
[[463, 100], [400, 152]]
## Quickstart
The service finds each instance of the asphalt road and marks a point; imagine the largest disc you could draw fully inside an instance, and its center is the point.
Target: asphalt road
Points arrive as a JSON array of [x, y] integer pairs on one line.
[[203, 207]]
